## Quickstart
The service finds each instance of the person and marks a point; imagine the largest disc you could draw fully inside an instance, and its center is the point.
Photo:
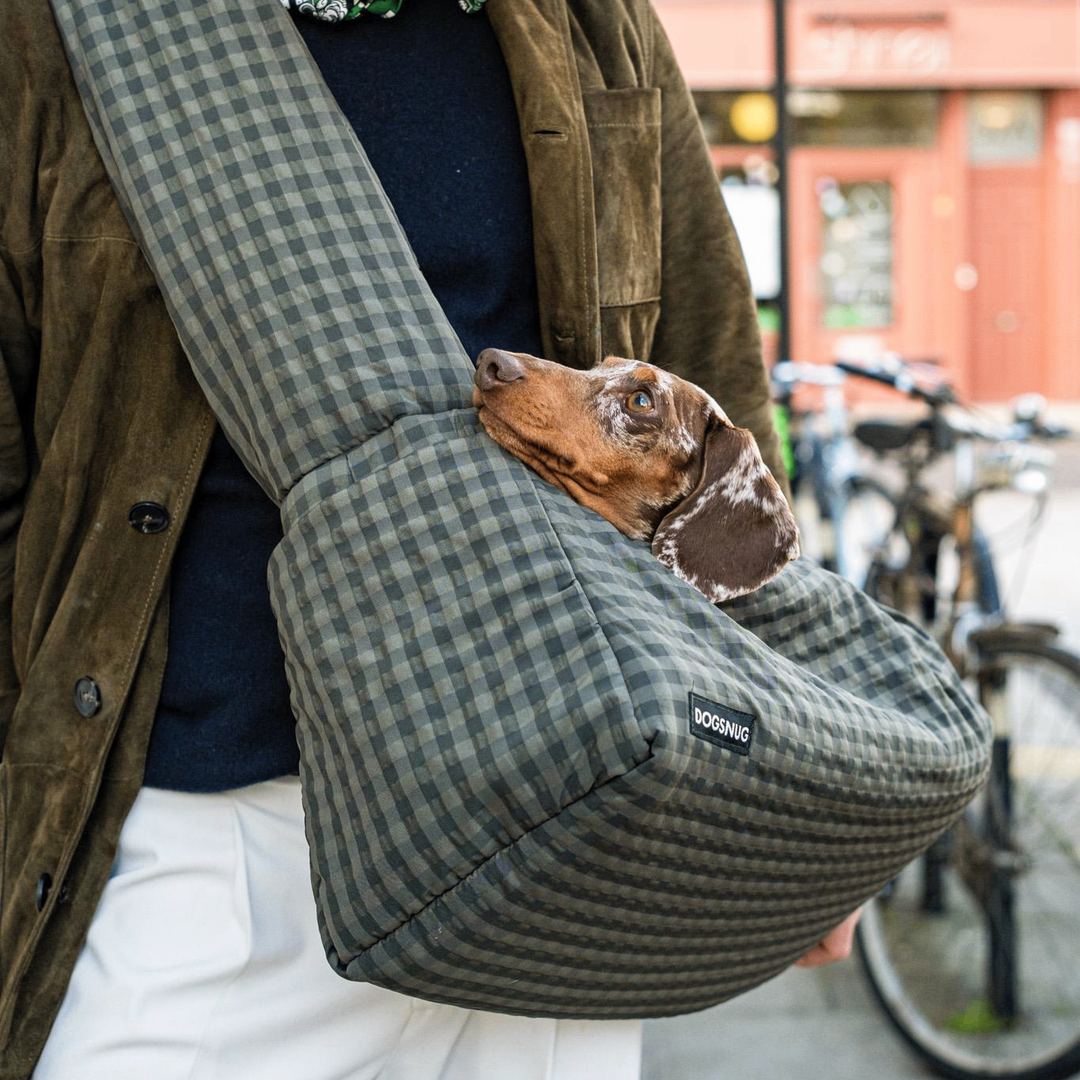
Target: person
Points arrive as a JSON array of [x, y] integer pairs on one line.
[[157, 917]]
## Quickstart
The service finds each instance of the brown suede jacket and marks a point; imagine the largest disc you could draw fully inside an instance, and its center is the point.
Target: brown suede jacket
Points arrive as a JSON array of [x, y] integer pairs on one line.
[[99, 413]]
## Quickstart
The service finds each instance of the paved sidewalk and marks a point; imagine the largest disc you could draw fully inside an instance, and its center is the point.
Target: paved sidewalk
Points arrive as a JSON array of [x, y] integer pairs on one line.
[[805, 1025], [823, 1024]]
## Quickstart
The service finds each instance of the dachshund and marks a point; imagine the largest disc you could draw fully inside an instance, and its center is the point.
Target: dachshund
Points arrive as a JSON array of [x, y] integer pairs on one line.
[[652, 453]]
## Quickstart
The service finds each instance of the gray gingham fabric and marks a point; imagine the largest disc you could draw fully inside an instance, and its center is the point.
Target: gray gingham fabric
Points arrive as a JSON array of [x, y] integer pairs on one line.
[[541, 774]]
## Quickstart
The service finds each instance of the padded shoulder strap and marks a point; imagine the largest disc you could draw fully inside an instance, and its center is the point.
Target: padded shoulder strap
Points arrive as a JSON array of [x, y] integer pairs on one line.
[[290, 280]]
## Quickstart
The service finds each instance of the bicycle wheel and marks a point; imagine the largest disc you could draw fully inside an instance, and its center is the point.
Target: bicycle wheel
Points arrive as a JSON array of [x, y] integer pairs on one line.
[[987, 590], [864, 514], [911, 564], [974, 950]]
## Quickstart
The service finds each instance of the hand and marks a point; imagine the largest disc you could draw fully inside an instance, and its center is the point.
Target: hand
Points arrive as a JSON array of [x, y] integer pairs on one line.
[[836, 945]]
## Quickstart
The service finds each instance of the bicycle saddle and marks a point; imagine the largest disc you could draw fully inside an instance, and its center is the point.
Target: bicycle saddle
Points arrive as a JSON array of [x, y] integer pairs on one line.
[[886, 435]]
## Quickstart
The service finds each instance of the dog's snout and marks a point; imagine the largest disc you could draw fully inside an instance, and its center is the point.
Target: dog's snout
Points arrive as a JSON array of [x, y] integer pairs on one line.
[[495, 366]]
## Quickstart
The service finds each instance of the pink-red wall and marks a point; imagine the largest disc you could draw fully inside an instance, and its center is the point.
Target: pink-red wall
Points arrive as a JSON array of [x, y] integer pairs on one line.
[[728, 43], [987, 258]]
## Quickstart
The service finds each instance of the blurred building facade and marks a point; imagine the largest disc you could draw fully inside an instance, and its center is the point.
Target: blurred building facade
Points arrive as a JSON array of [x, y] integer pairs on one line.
[[934, 175]]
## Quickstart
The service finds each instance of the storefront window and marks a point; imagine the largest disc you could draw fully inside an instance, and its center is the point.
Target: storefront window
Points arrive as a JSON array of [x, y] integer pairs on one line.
[[849, 118], [856, 269], [1004, 127]]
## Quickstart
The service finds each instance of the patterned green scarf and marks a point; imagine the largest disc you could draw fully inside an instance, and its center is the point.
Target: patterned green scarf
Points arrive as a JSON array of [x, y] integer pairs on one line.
[[341, 10]]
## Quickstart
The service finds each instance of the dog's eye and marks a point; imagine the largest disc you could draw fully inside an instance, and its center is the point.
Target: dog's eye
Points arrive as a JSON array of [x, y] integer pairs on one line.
[[640, 401]]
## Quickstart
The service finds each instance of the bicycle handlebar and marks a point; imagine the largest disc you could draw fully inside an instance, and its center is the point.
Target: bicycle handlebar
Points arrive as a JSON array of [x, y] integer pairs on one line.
[[1042, 430], [893, 371], [788, 373], [901, 378], [1028, 423]]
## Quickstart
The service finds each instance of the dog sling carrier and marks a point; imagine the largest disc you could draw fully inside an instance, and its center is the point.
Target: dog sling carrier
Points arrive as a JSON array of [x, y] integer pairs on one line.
[[541, 775]]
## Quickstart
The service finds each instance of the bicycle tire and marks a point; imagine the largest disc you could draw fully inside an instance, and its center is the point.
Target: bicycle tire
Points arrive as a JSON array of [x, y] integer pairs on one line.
[[928, 969], [873, 551], [864, 515], [987, 591]]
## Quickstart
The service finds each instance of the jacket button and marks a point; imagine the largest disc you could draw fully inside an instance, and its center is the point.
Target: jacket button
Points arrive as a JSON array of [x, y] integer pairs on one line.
[[149, 517], [44, 887], [87, 696]]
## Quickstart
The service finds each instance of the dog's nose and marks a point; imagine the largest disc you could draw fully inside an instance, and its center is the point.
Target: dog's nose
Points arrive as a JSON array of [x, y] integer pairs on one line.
[[495, 366]]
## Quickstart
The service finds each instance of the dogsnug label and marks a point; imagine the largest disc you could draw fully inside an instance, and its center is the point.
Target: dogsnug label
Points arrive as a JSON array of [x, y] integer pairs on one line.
[[721, 724]]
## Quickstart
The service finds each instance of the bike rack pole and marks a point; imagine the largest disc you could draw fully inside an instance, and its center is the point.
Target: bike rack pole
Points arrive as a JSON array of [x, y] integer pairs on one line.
[[998, 903], [780, 154]]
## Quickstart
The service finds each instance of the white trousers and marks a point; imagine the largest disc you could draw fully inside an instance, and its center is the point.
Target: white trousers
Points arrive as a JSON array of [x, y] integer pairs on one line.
[[203, 962]]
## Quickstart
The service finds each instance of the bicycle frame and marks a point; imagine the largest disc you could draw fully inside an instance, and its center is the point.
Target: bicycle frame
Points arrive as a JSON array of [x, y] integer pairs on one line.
[[972, 627]]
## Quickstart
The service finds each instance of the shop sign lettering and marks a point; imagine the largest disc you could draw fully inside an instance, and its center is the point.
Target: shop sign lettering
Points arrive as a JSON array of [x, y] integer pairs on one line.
[[881, 48]]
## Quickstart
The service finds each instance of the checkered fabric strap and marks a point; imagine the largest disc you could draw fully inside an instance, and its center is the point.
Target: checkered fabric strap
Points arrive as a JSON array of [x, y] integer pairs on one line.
[[291, 282]]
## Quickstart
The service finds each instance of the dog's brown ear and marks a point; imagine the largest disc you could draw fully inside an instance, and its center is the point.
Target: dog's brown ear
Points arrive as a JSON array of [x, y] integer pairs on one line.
[[735, 530]]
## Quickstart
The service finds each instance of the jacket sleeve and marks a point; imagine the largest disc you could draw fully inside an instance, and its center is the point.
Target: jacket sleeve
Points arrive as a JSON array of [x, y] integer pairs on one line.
[[14, 371], [19, 257], [708, 331]]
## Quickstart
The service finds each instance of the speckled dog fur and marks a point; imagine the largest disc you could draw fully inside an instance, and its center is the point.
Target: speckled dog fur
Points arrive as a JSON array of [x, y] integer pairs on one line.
[[653, 454]]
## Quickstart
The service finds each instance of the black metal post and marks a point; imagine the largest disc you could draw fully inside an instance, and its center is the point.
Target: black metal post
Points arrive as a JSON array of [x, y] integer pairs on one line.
[[780, 157]]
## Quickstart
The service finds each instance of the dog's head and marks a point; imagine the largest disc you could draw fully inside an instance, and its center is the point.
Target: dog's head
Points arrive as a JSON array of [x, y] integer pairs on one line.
[[653, 454]]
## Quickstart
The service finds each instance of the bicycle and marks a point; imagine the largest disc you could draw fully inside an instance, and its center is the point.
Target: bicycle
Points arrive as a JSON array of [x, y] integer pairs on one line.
[[973, 951], [821, 458]]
